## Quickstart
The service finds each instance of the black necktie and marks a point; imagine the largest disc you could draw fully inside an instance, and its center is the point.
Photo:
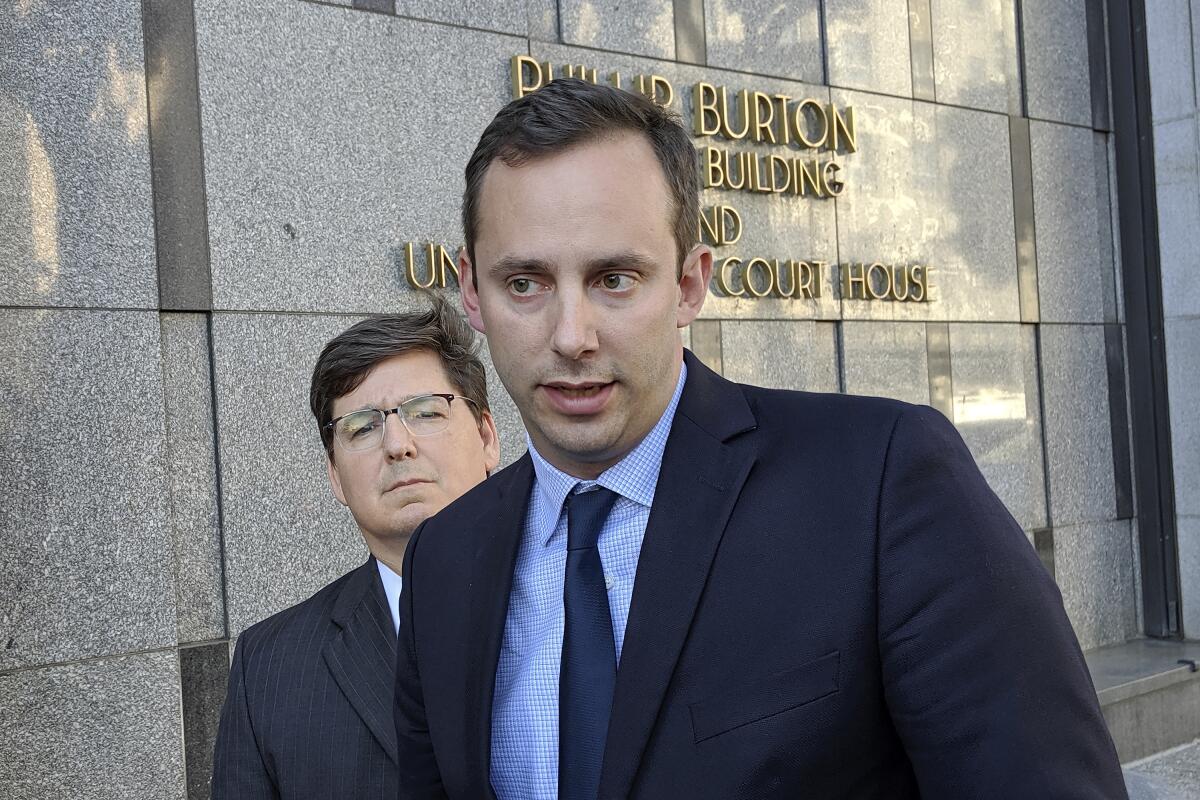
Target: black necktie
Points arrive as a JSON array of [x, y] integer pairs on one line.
[[589, 657]]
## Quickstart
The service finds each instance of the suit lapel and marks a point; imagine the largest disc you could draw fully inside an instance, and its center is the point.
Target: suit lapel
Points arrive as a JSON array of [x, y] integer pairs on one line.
[[701, 477], [501, 524], [362, 656]]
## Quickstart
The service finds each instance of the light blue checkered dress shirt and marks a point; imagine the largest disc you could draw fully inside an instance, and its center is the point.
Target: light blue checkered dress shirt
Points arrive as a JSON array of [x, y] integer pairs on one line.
[[525, 709]]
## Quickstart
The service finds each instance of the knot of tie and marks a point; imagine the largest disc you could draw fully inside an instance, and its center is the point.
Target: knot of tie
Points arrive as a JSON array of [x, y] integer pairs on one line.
[[586, 513]]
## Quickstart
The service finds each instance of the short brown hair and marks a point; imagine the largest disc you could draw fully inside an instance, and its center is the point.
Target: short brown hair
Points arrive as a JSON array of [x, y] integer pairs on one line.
[[350, 356], [570, 111]]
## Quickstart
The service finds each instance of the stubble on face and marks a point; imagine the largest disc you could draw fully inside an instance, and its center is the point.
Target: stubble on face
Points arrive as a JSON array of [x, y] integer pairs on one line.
[[565, 222]]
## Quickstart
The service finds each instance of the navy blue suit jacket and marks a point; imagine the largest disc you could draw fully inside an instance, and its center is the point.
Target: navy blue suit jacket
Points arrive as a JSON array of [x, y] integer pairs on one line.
[[308, 711], [830, 603]]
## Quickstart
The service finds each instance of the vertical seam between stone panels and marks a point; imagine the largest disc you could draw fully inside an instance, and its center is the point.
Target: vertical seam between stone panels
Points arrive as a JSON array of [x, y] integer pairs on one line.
[[1039, 354], [175, 262], [1024, 217], [823, 37], [691, 41], [218, 482], [1022, 67], [158, 280], [1118, 421], [1094, 21], [839, 352], [558, 24], [937, 360], [927, 93]]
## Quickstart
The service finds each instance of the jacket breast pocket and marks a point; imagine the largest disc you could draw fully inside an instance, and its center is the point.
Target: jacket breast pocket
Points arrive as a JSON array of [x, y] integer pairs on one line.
[[765, 697]]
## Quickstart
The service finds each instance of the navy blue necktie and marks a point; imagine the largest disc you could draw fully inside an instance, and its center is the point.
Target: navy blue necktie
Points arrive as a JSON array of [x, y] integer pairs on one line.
[[589, 657]]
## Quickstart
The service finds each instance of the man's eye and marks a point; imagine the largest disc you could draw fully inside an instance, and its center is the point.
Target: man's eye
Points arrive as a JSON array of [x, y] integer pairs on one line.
[[357, 429], [522, 286], [616, 281]]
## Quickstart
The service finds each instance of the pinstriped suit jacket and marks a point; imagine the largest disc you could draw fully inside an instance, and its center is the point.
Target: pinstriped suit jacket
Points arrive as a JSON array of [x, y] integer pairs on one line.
[[308, 713]]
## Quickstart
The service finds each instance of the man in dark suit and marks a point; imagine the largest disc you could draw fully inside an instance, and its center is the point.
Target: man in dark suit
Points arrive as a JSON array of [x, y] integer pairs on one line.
[[401, 405], [692, 588]]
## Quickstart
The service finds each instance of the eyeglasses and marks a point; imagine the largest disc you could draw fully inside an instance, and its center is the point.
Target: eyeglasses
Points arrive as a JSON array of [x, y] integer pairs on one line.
[[423, 415]]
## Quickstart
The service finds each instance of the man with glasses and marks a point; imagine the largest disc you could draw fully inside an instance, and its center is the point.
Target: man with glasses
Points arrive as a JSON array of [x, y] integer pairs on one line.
[[401, 406]]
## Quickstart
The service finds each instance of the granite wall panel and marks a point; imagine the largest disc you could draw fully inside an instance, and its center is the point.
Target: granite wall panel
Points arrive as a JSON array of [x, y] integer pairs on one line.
[[85, 520], [640, 27], [1183, 389], [780, 355], [104, 730], [886, 359], [1078, 429], [996, 408], [931, 185], [76, 214], [331, 138], [192, 475], [1177, 186], [774, 227], [505, 16], [767, 37], [1057, 70], [1093, 565], [285, 534], [1076, 275], [1172, 59], [975, 54], [867, 43], [1187, 532]]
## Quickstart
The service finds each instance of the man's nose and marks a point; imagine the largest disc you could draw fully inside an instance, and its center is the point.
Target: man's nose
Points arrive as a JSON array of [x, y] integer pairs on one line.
[[398, 441], [575, 328]]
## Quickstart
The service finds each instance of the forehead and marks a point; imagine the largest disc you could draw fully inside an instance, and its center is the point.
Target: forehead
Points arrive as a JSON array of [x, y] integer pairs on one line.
[[395, 379], [611, 188]]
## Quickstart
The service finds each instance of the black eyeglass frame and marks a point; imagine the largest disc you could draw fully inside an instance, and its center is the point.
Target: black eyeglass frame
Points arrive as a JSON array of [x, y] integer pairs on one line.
[[449, 398]]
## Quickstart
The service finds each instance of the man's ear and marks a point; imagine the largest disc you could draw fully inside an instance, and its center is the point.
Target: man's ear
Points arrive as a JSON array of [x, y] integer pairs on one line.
[[470, 295], [491, 442], [693, 284], [335, 481]]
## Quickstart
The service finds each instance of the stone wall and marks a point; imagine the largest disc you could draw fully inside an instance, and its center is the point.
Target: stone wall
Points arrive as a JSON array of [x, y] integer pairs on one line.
[[194, 197]]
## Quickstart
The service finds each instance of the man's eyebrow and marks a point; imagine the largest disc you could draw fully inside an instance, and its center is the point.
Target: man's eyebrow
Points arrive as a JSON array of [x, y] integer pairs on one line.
[[511, 265], [628, 259]]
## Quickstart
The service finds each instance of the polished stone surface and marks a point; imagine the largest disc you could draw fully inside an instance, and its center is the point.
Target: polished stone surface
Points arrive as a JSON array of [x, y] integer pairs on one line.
[[774, 227], [1169, 32], [76, 214], [1183, 390], [192, 477], [543, 19], [1177, 184], [104, 730], [994, 374], [286, 535], [640, 27], [319, 165], [85, 519], [1093, 566], [868, 46], [1187, 533], [886, 359], [1077, 427], [505, 16], [931, 185], [975, 54], [767, 37], [204, 675], [1173, 775], [1057, 70], [1076, 281], [781, 355]]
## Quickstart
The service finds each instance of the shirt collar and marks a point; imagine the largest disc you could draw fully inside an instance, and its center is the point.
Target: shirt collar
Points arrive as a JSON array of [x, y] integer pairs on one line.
[[634, 477], [392, 584]]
